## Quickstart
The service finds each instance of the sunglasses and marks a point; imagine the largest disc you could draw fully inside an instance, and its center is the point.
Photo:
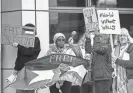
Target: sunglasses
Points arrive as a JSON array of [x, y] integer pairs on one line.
[[61, 40]]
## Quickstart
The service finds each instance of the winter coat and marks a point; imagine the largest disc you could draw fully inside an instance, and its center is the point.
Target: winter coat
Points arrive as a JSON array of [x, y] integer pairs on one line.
[[128, 64], [101, 60], [27, 54]]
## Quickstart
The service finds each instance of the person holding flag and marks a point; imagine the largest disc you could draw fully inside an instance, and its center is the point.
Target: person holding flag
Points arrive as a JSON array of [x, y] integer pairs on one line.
[[24, 55], [58, 70], [83, 49], [60, 48]]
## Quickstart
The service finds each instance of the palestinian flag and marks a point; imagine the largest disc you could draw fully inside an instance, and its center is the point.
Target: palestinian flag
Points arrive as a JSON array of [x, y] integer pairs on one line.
[[46, 71]]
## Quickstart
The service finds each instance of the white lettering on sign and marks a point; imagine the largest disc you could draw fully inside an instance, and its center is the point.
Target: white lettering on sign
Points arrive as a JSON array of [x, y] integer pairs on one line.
[[61, 58]]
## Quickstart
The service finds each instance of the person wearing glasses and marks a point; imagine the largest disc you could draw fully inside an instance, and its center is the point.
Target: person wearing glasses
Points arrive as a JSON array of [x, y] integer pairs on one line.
[[60, 48]]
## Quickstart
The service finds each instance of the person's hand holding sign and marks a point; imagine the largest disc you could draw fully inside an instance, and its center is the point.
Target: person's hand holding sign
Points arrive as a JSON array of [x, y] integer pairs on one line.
[[15, 44]]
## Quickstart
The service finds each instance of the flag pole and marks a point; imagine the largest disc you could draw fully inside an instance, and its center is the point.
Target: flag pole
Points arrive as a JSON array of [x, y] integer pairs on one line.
[[111, 41], [112, 46], [114, 79]]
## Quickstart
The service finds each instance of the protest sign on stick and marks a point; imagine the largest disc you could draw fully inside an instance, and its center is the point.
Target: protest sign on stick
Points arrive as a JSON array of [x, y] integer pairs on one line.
[[90, 18], [16, 34], [109, 22]]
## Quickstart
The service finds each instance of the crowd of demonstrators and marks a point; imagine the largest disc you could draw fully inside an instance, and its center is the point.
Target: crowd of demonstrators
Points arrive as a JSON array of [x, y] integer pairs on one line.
[[101, 63], [123, 57], [94, 47], [24, 55]]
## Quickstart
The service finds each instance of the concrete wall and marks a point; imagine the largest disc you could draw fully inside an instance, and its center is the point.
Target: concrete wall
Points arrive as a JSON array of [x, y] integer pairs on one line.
[[8, 52]]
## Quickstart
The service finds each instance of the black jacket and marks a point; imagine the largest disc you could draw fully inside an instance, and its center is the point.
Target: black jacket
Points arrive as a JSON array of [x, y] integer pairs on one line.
[[27, 54]]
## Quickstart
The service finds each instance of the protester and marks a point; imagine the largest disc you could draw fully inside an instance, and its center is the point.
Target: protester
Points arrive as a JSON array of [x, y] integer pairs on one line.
[[123, 57], [101, 64], [87, 85], [60, 48], [24, 55], [71, 40], [83, 50]]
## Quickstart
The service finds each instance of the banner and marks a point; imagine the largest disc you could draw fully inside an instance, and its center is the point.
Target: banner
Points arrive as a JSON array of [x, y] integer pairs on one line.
[[46, 71], [24, 36], [90, 18], [109, 22]]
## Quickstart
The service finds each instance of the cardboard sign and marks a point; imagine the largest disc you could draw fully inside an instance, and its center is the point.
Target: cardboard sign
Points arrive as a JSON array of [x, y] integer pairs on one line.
[[109, 22], [24, 36], [90, 18]]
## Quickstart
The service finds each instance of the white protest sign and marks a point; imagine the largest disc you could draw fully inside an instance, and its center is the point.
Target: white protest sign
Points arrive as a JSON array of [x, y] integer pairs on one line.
[[109, 22], [16, 34], [90, 18]]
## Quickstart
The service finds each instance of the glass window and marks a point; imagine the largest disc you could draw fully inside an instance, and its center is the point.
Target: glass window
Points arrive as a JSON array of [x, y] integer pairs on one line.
[[43, 31], [42, 4], [28, 17], [28, 4], [71, 3], [120, 3], [66, 23], [125, 20], [125, 3]]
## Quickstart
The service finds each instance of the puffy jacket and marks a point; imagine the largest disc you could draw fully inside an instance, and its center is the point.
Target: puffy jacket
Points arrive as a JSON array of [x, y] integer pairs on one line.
[[101, 61]]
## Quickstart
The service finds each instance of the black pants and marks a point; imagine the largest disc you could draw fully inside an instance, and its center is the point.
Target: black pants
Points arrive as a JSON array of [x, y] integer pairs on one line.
[[75, 89], [25, 91], [103, 86], [85, 88], [65, 88]]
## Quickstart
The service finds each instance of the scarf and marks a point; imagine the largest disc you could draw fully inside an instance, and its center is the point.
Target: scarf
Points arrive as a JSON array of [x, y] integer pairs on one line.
[[121, 71]]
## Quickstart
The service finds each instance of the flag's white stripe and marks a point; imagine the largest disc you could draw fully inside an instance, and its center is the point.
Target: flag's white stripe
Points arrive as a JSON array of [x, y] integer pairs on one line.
[[80, 70], [42, 75]]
